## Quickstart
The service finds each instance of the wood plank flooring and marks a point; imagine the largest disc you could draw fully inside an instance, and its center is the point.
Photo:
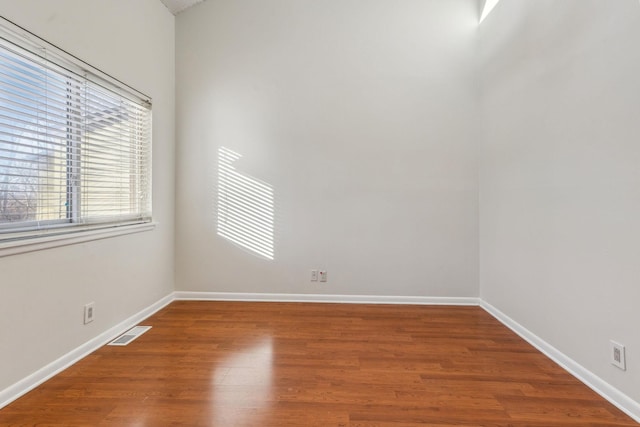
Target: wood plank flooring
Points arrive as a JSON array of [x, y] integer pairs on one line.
[[293, 364]]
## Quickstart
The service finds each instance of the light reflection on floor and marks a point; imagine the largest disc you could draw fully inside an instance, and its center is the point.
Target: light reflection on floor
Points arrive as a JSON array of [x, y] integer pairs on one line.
[[242, 385]]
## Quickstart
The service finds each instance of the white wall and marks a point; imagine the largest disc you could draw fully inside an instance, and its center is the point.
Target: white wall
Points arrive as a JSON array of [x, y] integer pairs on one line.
[[42, 294], [560, 176], [361, 114]]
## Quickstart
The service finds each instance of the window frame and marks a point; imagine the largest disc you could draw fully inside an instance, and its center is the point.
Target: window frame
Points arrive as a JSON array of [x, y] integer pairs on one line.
[[71, 228]]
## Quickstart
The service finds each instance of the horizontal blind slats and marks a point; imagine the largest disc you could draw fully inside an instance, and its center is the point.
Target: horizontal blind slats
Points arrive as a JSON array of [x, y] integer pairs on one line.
[[70, 149]]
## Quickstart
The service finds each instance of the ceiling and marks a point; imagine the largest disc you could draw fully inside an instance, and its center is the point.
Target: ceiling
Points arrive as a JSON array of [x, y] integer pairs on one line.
[[177, 6]]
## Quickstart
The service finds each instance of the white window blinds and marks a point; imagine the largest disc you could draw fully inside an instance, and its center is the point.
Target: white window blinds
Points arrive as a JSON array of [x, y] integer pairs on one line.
[[75, 149]]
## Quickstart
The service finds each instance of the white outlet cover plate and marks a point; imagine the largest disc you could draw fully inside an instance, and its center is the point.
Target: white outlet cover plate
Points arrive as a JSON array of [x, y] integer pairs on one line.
[[323, 276], [621, 362], [89, 312]]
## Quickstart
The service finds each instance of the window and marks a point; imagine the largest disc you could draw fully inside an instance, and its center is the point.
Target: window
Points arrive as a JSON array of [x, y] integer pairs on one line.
[[75, 146]]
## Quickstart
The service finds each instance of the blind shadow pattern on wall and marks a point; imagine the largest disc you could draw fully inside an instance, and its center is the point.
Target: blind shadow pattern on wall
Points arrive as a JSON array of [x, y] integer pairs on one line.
[[245, 207]]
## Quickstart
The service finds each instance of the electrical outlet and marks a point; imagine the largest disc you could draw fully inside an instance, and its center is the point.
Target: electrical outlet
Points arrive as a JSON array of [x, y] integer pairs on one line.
[[89, 312], [617, 356], [323, 275], [314, 275]]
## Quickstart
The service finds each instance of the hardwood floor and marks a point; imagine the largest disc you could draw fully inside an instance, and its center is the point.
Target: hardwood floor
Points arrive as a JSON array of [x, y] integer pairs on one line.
[[293, 364]]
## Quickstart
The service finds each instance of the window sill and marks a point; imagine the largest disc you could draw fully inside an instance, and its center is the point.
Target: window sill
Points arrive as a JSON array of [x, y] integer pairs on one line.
[[46, 242]]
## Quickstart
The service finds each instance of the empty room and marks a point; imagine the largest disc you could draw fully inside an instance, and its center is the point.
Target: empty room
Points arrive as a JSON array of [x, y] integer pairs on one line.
[[348, 213]]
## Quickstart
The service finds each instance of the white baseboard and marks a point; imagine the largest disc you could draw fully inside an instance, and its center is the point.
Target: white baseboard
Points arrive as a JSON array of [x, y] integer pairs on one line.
[[597, 384], [27, 384], [320, 298]]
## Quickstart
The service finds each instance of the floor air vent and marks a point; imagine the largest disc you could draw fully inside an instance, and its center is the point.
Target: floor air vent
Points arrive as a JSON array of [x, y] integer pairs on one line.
[[130, 335]]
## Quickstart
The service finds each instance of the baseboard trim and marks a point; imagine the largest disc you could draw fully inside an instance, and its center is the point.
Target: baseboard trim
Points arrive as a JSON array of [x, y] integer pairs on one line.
[[320, 298], [594, 382], [27, 384]]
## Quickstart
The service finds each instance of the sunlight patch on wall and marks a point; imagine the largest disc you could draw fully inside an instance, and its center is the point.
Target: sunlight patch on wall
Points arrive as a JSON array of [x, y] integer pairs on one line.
[[245, 207], [487, 8]]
